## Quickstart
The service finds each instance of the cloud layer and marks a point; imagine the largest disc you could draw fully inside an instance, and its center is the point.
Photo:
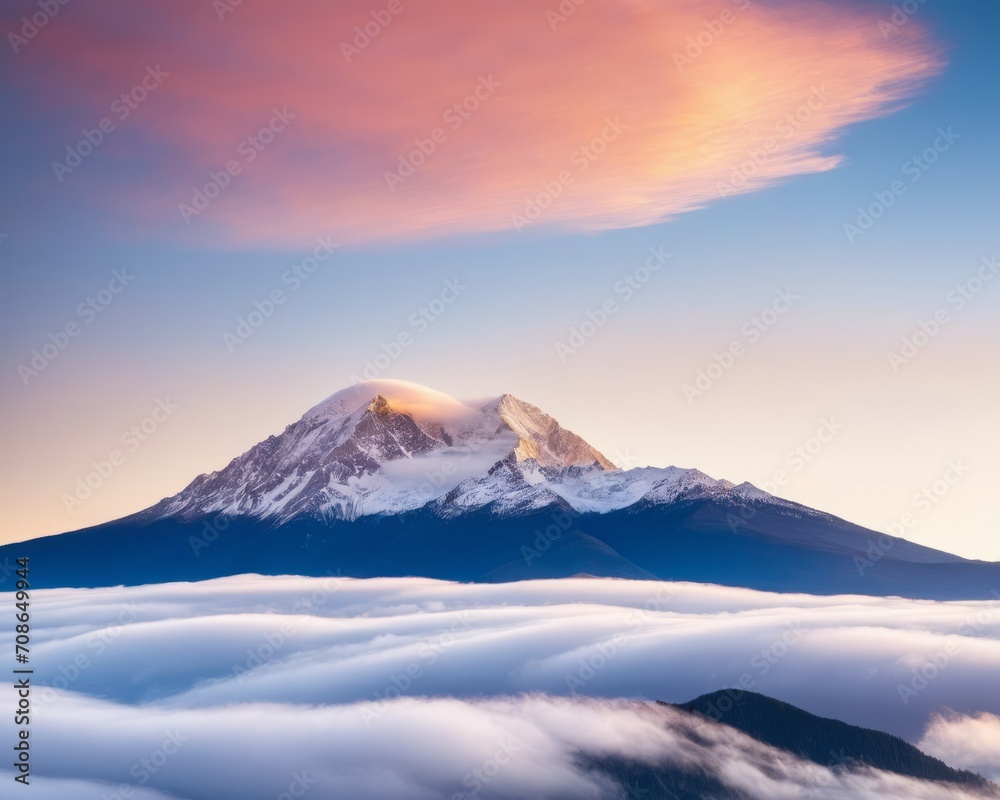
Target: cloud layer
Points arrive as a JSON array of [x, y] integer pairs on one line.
[[454, 118], [428, 748], [884, 663], [405, 687], [967, 741]]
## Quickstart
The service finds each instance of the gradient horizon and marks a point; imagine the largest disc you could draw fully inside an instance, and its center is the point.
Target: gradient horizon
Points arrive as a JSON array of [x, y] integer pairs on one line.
[[384, 252]]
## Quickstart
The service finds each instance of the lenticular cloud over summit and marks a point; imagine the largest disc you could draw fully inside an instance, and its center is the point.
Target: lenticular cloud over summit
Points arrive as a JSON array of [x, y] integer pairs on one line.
[[424, 404], [406, 687]]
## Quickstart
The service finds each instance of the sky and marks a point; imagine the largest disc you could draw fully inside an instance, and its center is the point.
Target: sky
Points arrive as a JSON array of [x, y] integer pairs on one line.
[[756, 238]]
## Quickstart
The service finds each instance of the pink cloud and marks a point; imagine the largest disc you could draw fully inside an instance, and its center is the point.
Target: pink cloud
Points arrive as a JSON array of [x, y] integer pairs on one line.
[[620, 114]]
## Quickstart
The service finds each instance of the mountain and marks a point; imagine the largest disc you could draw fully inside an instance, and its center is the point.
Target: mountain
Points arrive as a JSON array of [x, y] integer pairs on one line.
[[846, 750], [390, 478], [381, 447], [828, 742]]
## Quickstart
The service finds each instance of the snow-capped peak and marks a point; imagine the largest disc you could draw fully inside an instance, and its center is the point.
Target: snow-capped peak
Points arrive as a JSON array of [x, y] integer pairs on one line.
[[543, 439], [390, 446]]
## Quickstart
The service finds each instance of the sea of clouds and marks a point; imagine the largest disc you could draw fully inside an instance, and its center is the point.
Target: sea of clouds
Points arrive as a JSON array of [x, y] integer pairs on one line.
[[262, 687]]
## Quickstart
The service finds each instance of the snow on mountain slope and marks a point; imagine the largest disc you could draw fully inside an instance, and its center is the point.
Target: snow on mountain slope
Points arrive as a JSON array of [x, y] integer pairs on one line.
[[388, 447], [542, 438], [379, 447], [515, 486]]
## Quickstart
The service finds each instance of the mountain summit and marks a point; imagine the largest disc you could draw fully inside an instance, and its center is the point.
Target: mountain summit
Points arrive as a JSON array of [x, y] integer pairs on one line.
[[390, 478], [382, 447]]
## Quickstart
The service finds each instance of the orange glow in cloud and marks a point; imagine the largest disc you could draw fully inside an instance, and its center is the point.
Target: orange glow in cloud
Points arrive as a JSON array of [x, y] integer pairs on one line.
[[622, 113]]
